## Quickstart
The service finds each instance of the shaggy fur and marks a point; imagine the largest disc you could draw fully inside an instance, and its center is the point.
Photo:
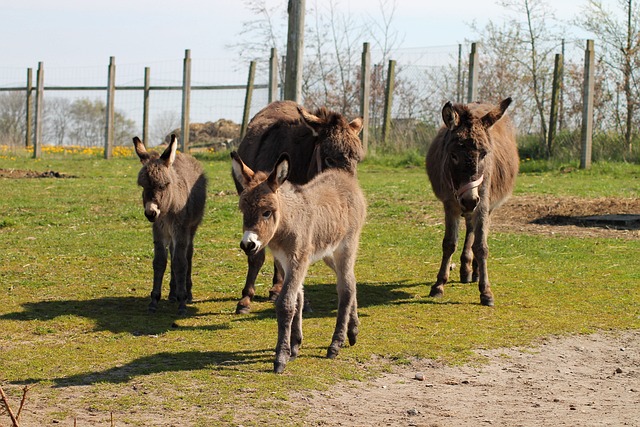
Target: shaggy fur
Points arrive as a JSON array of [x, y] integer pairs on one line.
[[472, 164], [313, 141], [302, 224], [174, 194]]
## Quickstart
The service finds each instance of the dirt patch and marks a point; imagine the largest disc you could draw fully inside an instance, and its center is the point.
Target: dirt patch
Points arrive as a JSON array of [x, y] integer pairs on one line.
[[569, 216], [21, 173], [591, 380]]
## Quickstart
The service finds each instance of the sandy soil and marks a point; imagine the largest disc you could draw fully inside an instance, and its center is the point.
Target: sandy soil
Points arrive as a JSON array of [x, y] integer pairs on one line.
[[583, 381]]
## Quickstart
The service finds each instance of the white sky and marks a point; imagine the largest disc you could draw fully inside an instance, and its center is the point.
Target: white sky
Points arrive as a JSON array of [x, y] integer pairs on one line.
[[79, 33]]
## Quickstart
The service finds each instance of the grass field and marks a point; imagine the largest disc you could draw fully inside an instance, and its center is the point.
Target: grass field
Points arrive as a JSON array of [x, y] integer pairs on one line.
[[75, 278]]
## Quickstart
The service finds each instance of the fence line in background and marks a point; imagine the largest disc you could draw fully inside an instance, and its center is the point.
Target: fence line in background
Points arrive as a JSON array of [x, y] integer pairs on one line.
[[34, 113]]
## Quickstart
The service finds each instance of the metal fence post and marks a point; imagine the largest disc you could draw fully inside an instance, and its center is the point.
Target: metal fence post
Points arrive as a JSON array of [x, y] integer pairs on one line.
[[247, 99], [186, 102], [587, 105], [29, 113], [37, 138], [555, 97], [111, 90], [365, 95], [145, 105]]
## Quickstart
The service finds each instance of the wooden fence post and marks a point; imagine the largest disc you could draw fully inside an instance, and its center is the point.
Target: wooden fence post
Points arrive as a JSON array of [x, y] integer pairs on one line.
[[388, 100], [111, 91], [145, 105], [365, 95], [472, 93], [587, 105], [29, 113], [37, 138], [555, 97], [186, 102], [273, 75], [247, 99], [295, 47]]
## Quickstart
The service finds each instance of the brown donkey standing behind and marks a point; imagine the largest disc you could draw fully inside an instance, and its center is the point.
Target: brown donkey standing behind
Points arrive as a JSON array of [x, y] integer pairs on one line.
[[472, 165], [174, 190], [302, 224], [314, 141]]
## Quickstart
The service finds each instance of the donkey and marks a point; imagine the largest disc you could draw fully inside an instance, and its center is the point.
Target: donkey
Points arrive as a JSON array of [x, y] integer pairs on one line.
[[174, 194], [314, 142], [472, 164], [302, 224]]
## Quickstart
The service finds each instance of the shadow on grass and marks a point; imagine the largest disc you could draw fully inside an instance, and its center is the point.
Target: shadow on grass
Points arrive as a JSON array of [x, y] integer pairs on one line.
[[164, 362], [323, 298], [114, 314]]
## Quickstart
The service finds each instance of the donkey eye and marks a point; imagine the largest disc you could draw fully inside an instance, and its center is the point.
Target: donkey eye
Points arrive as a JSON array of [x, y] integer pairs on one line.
[[454, 158], [266, 214], [330, 162]]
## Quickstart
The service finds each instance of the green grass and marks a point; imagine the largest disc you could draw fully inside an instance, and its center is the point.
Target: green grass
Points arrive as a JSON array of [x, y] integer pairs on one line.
[[75, 275]]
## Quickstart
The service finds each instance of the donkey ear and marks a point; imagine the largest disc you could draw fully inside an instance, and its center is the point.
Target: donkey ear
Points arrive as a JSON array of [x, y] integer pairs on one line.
[[312, 122], [141, 151], [450, 116], [169, 155], [496, 114], [280, 173], [356, 125], [241, 172]]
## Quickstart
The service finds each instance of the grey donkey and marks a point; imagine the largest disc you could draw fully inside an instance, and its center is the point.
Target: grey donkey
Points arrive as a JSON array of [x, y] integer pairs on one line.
[[174, 191]]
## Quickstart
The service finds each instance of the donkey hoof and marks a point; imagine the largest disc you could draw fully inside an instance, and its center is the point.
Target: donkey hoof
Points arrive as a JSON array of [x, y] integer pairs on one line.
[[486, 300], [332, 352], [182, 311], [436, 291], [172, 298], [352, 335], [242, 309], [273, 296], [466, 278], [278, 367], [152, 309]]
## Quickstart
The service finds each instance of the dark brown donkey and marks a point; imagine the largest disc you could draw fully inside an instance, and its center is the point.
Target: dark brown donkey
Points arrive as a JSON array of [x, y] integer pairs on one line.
[[314, 142], [472, 164], [302, 224], [174, 190]]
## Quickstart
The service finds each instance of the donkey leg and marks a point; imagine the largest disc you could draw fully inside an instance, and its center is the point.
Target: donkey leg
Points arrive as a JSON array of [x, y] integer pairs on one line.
[[466, 258], [449, 243], [347, 317], [296, 326], [172, 282], [481, 252], [277, 281], [285, 311], [189, 265], [255, 262], [159, 267], [179, 266]]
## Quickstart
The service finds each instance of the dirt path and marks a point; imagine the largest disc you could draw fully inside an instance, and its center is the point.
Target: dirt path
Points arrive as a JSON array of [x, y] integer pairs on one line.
[[572, 381]]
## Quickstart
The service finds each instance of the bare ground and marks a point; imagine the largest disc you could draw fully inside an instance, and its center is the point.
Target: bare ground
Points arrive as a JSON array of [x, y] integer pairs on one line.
[[591, 380]]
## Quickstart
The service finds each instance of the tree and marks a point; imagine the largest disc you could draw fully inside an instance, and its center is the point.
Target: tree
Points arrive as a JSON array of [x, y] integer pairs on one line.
[[56, 119], [12, 117], [619, 32]]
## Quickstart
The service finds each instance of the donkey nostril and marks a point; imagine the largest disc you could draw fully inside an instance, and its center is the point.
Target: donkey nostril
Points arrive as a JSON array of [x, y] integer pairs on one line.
[[247, 246]]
